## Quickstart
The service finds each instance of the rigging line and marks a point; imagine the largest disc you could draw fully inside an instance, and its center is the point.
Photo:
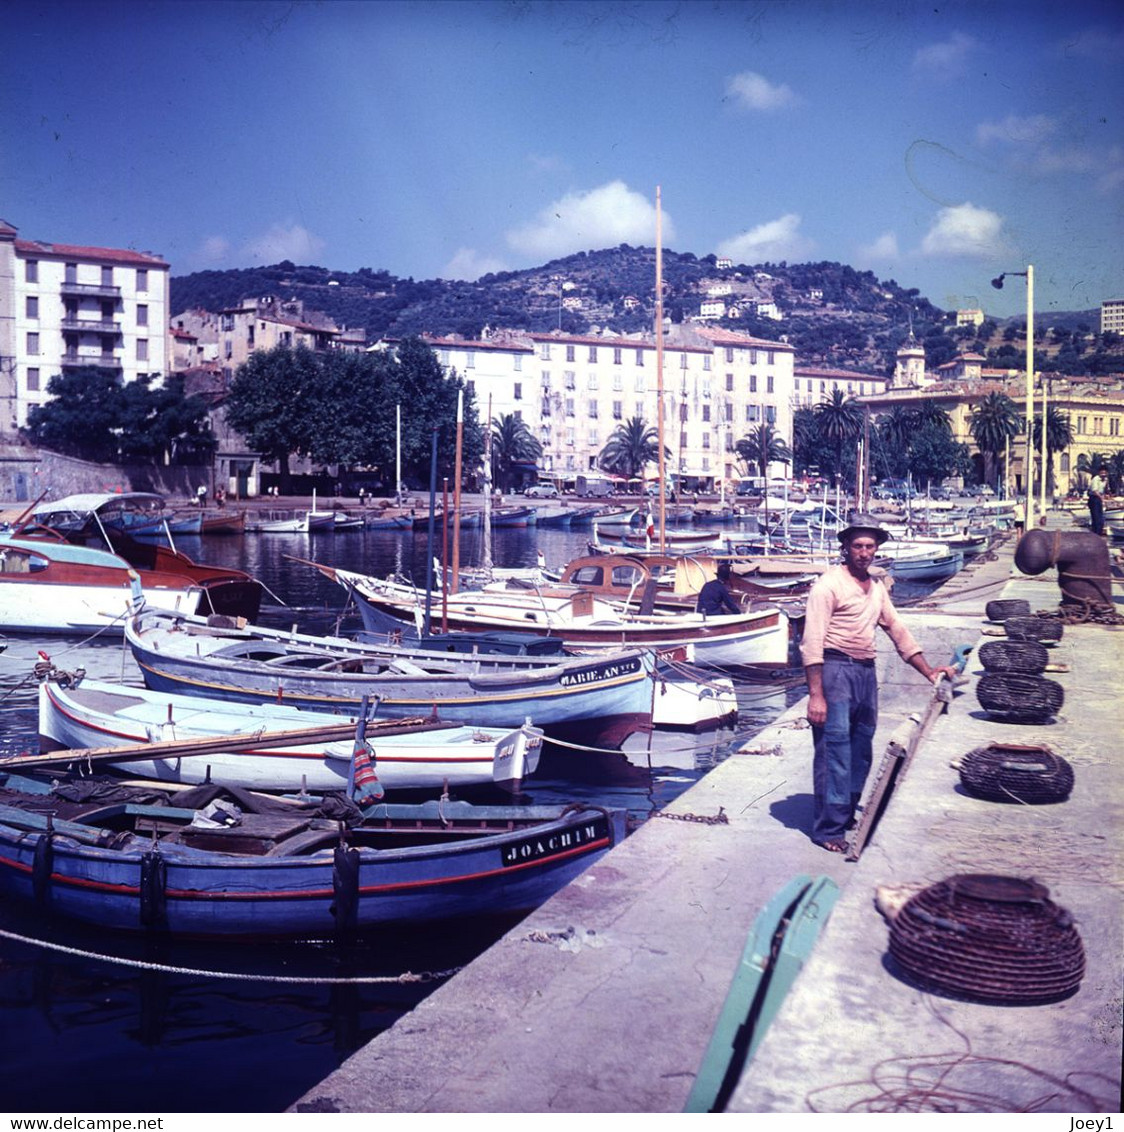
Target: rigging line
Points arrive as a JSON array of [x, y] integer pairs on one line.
[[313, 980]]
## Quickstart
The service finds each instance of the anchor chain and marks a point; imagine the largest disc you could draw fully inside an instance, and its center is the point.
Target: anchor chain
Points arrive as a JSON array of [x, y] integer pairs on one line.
[[719, 818]]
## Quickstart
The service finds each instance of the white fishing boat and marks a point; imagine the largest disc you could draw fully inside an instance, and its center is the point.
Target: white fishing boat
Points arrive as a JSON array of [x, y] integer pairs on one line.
[[406, 755], [585, 623]]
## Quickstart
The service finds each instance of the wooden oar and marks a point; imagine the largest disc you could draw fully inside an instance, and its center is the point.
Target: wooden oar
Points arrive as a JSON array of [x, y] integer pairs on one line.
[[251, 741]]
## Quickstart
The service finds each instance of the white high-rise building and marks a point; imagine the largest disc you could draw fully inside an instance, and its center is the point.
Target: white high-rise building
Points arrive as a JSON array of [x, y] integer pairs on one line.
[[64, 307]]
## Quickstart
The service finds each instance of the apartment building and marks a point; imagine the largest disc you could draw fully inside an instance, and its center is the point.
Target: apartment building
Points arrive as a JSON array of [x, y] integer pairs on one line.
[[1112, 316], [574, 390], [66, 306], [812, 384]]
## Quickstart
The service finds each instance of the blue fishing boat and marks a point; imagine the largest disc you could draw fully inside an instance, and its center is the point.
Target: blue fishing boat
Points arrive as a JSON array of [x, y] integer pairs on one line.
[[231, 864], [599, 700]]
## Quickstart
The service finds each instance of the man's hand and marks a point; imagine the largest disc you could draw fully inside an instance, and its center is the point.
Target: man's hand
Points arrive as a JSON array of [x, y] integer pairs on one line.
[[944, 670], [817, 709]]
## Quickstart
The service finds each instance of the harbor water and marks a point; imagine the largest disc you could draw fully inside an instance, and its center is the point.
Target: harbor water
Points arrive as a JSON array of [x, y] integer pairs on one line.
[[104, 1022]]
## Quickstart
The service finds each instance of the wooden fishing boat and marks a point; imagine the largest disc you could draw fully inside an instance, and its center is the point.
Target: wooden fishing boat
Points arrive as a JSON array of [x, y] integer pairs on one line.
[[285, 870], [389, 522], [162, 730], [583, 621], [48, 585], [224, 523], [599, 700]]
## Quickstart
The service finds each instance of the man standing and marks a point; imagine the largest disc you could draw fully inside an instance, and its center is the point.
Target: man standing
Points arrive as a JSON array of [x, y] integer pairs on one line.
[[1098, 485], [844, 607]]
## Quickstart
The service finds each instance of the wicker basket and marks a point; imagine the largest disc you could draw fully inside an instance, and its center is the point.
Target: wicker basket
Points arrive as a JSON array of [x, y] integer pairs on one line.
[[1028, 775], [1001, 610], [992, 939], [1028, 657], [1033, 628], [1016, 698]]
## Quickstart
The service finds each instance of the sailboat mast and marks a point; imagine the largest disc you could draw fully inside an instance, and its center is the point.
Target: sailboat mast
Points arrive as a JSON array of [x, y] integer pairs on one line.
[[454, 582], [398, 456], [659, 373], [488, 491]]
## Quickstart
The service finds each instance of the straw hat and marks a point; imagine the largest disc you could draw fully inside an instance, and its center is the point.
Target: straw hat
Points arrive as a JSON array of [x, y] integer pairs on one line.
[[863, 522]]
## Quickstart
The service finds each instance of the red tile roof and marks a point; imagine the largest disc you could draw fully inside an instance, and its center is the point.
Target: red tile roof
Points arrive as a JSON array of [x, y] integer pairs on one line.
[[78, 252]]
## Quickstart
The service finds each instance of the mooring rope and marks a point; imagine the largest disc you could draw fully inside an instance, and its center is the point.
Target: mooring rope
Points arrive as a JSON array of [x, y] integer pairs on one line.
[[313, 980]]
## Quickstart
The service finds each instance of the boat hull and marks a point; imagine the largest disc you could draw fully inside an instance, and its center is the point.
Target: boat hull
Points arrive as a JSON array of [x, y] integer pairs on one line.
[[98, 715], [601, 700], [182, 890]]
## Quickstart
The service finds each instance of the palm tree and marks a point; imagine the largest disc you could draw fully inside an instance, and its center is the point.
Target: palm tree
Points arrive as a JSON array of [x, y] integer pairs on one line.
[[805, 441], [512, 441], [895, 428], [762, 447], [631, 447], [839, 421], [995, 423], [1059, 436]]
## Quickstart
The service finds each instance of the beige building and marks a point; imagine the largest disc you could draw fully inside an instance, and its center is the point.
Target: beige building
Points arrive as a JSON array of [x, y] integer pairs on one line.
[[66, 306], [1094, 406]]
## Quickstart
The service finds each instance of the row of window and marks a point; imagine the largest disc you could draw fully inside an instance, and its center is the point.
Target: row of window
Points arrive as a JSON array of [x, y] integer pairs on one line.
[[33, 346], [1081, 426], [31, 274], [70, 310]]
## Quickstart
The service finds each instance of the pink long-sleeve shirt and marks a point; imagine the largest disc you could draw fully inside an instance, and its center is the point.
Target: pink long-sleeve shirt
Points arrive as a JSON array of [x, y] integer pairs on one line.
[[841, 616]]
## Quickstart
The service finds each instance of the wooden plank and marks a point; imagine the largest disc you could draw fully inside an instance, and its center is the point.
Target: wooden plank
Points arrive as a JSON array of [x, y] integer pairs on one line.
[[248, 741]]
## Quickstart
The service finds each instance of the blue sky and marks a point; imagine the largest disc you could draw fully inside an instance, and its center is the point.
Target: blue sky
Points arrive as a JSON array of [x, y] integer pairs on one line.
[[933, 145]]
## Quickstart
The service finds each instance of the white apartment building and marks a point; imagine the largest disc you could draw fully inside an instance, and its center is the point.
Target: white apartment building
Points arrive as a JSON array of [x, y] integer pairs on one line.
[[815, 383], [574, 390], [1112, 316], [65, 306]]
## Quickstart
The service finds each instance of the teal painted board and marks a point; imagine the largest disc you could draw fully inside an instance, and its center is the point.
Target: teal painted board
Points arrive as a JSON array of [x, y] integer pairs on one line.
[[781, 938]]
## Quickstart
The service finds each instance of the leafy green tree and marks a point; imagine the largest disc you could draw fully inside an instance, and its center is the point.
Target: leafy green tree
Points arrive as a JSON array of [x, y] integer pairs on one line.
[[893, 434], [271, 402], [762, 447], [83, 417], [95, 416], [429, 400], [805, 441], [512, 441], [839, 424], [934, 455], [1059, 436], [632, 446], [995, 422]]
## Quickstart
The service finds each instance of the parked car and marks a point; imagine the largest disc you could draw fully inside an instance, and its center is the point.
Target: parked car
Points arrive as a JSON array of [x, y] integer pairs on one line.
[[542, 491]]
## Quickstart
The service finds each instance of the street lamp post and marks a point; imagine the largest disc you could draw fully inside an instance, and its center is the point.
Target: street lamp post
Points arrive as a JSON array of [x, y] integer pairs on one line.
[[997, 283]]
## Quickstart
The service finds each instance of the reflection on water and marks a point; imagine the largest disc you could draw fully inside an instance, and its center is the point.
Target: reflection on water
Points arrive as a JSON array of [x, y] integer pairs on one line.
[[83, 1035]]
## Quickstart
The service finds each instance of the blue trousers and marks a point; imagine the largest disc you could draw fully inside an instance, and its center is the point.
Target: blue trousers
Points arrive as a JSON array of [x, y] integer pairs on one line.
[[843, 746], [1096, 514]]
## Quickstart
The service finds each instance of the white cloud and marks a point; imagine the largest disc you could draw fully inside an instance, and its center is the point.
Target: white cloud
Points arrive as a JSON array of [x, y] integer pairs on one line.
[[546, 163], [1028, 144], [468, 263], [775, 240], [284, 241], [944, 60], [603, 217], [1014, 130], [1103, 44], [885, 247], [964, 230], [752, 91], [213, 250]]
